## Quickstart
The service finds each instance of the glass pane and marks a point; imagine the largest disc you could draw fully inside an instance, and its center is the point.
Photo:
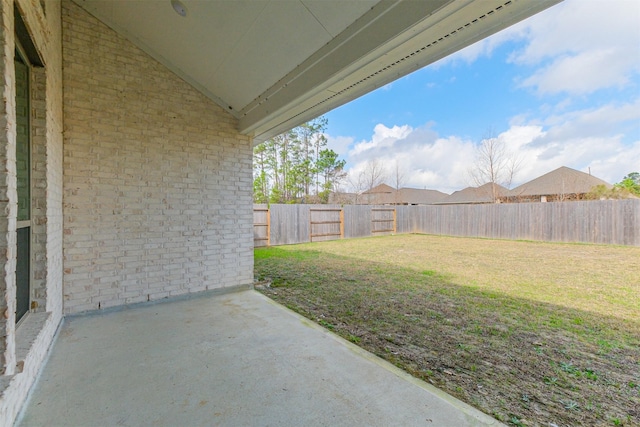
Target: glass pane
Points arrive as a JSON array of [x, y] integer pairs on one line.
[[22, 272], [23, 161]]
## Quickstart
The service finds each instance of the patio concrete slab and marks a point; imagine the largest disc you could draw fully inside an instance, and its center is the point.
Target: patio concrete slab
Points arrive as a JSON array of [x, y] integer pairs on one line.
[[231, 360]]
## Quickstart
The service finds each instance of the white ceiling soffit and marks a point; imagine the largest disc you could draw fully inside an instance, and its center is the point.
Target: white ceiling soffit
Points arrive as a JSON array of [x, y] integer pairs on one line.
[[275, 64]]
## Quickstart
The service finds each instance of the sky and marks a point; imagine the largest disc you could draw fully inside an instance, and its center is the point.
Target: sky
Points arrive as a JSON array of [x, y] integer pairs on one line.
[[561, 88]]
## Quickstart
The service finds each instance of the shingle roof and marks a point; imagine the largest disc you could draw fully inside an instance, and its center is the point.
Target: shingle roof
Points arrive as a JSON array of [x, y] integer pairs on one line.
[[385, 194], [563, 180], [417, 196], [482, 194], [382, 188]]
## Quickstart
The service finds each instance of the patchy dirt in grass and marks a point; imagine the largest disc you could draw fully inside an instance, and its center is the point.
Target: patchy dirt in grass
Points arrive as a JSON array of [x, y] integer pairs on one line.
[[525, 362]]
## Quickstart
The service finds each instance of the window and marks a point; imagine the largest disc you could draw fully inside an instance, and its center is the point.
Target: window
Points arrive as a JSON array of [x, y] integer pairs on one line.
[[23, 177]]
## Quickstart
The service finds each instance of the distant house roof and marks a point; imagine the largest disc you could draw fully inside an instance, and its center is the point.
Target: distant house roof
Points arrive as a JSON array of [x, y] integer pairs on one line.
[[563, 180], [380, 189], [384, 194], [482, 194], [417, 196]]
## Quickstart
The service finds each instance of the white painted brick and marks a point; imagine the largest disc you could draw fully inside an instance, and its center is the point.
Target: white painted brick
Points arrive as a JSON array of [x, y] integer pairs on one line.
[[32, 340]]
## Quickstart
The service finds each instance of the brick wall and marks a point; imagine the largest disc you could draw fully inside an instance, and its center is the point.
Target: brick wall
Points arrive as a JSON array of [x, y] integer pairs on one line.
[[8, 192], [156, 184], [23, 349], [157, 181]]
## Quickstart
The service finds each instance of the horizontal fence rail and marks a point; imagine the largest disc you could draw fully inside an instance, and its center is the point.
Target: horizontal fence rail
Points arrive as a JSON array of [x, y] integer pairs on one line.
[[383, 220], [326, 224], [261, 226], [605, 222]]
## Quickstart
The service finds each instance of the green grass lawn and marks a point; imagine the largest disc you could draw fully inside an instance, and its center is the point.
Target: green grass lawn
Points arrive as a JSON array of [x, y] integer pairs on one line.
[[531, 333]]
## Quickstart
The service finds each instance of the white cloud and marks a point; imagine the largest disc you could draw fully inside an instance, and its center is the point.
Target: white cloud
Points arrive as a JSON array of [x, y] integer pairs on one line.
[[597, 122], [583, 139], [574, 49], [426, 160], [339, 144], [621, 160], [383, 137], [582, 46], [576, 26], [605, 157], [583, 73], [577, 46]]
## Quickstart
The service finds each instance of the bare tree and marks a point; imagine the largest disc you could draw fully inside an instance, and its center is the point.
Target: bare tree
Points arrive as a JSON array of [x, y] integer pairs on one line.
[[398, 180], [494, 164], [372, 175], [356, 186]]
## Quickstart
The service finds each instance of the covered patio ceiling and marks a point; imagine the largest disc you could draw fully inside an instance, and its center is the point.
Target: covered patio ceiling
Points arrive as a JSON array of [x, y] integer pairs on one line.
[[274, 64]]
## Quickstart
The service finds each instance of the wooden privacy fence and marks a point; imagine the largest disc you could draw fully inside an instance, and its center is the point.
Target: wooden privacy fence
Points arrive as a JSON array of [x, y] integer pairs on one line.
[[325, 224], [261, 226], [383, 220], [606, 222]]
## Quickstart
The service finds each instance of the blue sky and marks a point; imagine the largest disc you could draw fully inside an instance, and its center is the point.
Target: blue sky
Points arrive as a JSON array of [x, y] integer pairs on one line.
[[560, 89]]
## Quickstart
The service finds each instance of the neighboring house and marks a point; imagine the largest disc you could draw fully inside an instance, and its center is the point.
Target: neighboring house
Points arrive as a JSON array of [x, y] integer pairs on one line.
[[558, 185], [127, 131], [378, 195], [487, 193], [384, 194]]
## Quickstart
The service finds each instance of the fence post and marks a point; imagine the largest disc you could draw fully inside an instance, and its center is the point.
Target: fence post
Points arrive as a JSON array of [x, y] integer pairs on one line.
[[608, 222], [395, 224]]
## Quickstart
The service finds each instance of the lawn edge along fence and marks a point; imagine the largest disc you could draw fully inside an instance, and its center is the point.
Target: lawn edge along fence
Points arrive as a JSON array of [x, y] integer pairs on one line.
[[603, 221]]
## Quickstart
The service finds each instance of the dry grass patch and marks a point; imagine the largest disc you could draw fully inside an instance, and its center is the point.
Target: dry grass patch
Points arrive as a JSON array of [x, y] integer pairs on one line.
[[531, 333]]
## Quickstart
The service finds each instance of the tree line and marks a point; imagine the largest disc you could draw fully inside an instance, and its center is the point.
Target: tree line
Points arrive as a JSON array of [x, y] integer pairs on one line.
[[297, 166]]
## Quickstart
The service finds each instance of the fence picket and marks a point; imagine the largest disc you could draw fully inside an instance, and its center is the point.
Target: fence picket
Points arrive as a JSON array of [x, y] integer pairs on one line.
[[607, 221]]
